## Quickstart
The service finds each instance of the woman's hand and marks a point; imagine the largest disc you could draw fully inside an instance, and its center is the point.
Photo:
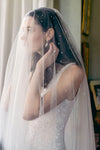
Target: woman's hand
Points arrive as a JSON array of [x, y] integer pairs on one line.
[[33, 95], [50, 57]]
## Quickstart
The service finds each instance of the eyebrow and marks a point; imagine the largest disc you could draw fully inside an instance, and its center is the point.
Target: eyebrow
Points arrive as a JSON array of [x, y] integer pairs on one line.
[[28, 27]]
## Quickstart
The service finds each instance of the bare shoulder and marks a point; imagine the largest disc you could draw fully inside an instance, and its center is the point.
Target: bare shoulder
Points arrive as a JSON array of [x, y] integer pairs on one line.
[[72, 73], [70, 80]]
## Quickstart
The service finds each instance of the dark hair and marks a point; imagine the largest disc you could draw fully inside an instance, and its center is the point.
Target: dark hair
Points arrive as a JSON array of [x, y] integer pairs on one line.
[[48, 18]]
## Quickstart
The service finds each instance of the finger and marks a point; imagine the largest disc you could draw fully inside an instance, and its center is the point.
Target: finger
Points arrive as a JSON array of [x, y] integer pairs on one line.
[[53, 48], [50, 51], [55, 51]]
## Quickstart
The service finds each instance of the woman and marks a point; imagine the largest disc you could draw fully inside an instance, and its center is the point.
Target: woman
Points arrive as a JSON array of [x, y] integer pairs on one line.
[[45, 101]]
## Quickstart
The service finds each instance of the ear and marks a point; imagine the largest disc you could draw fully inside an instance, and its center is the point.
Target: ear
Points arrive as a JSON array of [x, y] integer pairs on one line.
[[49, 34]]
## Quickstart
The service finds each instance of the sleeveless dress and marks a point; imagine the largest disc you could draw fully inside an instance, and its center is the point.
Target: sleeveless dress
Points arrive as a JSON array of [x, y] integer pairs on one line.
[[68, 126], [47, 132]]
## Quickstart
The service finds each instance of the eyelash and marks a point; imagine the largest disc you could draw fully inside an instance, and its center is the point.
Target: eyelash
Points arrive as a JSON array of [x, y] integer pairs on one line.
[[27, 30]]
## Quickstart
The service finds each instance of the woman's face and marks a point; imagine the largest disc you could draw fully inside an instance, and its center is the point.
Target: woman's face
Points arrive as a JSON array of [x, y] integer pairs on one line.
[[32, 34]]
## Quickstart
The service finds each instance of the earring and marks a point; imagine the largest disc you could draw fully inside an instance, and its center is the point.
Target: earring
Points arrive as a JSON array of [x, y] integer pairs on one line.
[[46, 44]]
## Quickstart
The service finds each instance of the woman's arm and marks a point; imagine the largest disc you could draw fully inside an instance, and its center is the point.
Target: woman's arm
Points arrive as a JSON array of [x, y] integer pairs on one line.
[[66, 88], [32, 101]]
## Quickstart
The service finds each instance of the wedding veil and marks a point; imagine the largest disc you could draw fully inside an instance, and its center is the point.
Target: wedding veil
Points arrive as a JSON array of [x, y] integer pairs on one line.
[[14, 130]]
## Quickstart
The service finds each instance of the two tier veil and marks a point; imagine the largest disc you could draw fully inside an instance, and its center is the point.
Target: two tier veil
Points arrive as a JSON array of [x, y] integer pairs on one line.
[[14, 130]]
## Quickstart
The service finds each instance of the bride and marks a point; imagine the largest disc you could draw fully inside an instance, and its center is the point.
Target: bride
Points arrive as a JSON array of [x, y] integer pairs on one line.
[[45, 101]]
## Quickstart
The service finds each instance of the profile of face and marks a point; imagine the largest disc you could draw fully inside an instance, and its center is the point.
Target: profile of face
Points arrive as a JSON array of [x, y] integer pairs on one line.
[[33, 35]]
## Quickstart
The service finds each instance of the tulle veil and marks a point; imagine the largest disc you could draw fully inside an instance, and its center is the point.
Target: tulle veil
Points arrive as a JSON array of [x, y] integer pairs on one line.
[[15, 132]]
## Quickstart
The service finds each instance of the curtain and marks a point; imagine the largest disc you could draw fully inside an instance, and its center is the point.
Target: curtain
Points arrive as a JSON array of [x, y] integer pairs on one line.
[[11, 14]]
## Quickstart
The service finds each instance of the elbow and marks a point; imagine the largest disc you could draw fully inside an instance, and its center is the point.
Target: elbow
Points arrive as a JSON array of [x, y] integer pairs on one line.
[[31, 110], [30, 116]]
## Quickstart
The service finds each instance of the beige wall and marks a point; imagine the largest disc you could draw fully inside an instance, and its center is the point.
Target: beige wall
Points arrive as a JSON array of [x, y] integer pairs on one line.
[[71, 11], [94, 41]]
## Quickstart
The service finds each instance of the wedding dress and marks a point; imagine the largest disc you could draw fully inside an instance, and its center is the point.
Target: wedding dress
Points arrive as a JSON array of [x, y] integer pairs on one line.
[[41, 130], [67, 126]]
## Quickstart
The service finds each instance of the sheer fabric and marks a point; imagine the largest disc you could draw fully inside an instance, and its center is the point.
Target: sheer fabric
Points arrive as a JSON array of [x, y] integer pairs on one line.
[[11, 13], [67, 125]]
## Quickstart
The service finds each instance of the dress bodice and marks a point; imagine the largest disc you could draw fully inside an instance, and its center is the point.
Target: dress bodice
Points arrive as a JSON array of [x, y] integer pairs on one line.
[[47, 131]]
